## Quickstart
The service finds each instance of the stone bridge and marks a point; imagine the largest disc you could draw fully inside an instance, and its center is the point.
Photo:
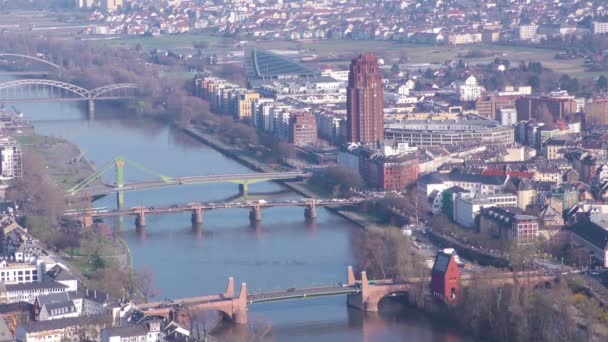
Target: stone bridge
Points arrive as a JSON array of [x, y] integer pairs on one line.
[[361, 294]]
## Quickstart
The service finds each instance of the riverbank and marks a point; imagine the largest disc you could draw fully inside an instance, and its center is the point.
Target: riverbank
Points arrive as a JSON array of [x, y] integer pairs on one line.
[[64, 161], [64, 164]]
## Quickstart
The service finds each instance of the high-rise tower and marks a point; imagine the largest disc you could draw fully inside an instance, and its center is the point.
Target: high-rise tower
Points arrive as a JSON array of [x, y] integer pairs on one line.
[[365, 101]]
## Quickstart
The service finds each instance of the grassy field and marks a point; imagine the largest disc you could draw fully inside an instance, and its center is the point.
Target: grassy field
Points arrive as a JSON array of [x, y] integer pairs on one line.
[[56, 155], [415, 53], [164, 42], [343, 50]]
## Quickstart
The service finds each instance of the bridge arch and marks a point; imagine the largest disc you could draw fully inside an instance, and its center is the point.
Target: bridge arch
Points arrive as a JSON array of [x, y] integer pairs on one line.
[[44, 61], [100, 91], [74, 89]]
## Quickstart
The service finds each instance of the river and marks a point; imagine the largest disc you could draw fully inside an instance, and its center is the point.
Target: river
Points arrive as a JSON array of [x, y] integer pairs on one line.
[[283, 252]]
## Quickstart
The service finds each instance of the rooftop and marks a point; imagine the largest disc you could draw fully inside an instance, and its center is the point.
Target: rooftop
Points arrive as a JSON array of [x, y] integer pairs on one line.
[[127, 331], [62, 323], [34, 286], [262, 64]]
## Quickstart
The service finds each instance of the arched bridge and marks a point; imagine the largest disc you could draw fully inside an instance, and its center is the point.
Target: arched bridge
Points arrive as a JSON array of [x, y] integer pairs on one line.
[[33, 90], [19, 64], [32, 58], [364, 295]]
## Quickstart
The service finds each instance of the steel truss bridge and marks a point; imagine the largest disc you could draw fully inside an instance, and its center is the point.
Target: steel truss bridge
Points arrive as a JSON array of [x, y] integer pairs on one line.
[[24, 67], [42, 90]]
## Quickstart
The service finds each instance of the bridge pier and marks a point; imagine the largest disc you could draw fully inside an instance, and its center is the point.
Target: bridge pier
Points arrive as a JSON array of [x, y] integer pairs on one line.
[[120, 199], [310, 212], [255, 215], [86, 221], [243, 189], [197, 216], [364, 300], [91, 111], [239, 311], [140, 220]]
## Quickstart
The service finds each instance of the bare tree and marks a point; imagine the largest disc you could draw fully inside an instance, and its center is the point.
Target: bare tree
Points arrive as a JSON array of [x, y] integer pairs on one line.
[[143, 282]]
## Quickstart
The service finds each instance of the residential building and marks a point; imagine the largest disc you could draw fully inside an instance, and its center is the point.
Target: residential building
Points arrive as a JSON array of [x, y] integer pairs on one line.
[[445, 278], [29, 291], [10, 159], [509, 224], [365, 101], [150, 331], [56, 306], [21, 272], [245, 104], [527, 32], [596, 111], [556, 148], [507, 116], [488, 105], [84, 328], [600, 27], [467, 206], [470, 89], [111, 5], [302, 129], [477, 184]]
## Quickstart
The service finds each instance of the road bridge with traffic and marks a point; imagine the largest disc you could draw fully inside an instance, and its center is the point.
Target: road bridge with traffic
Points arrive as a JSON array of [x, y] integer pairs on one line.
[[87, 216], [363, 294]]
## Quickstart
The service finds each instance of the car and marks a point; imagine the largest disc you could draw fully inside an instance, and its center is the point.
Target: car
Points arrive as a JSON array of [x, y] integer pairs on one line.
[[291, 289]]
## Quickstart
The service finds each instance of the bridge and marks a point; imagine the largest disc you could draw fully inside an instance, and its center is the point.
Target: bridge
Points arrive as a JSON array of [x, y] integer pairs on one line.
[[364, 295], [83, 188], [43, 90], [87, 216], [19, 69]]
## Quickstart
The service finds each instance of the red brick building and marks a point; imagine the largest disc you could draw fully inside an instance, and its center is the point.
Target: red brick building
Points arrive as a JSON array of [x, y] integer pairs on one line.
[[302, 129], [397, 172], [365, 101], [445, 278], [388, 172]]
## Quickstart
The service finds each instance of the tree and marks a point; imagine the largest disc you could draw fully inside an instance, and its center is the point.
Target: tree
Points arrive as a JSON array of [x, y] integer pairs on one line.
[[602, 83], [97, 262], [144, 283], [339, 179], [395, 69], [544, 115]]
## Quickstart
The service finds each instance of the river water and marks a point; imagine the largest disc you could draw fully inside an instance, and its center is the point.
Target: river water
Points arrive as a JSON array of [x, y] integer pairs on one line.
[[283, 252]]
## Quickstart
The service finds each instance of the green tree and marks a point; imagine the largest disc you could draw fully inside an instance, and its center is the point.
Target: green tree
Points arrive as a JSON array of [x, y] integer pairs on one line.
[[395, 68], [602, 83], [97, 262]]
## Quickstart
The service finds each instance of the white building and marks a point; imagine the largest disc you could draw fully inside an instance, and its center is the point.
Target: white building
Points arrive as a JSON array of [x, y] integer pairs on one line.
[[28, 292], [470, 90], [85, 328], [600, 27], [527, 32], [467, 206], [21, 272], [148, 332], [10, 159], [507, 116]]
